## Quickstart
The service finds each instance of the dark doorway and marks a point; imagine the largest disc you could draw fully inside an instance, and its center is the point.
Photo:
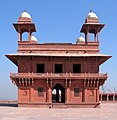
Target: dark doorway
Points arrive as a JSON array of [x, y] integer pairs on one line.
[[115, 97], [58, 68], [40, 68], [110, 97], [58, 94], [104, 97], [76, 68]]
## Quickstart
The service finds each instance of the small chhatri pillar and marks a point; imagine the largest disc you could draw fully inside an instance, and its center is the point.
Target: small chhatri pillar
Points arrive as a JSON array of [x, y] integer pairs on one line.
[[91, 26], [25, 25]]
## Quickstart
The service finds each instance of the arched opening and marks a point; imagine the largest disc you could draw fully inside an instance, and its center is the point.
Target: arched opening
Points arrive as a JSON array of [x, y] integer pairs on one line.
[[25, 36], [58, 94], [91, 37]]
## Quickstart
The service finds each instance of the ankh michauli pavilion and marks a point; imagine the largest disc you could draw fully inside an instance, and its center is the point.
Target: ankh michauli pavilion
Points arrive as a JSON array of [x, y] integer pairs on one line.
[[58, 74]]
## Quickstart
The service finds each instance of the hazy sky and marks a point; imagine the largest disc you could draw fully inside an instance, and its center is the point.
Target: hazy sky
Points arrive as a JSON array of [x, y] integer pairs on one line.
[[56, 21]]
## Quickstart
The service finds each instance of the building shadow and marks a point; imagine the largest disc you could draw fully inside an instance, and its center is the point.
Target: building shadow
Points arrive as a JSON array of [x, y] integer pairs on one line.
[[8, 105]]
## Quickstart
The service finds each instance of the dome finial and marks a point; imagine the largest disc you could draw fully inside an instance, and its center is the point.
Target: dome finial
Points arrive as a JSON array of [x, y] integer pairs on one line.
[[25, 10], [91, 15], [90, 10]]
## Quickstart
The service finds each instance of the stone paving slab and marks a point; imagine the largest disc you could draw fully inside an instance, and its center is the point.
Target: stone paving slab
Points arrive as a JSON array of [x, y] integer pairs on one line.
[[108, 111]]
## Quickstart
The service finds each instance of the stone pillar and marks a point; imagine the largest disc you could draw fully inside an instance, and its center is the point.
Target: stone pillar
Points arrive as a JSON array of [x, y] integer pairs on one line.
[[113, 97], [95, 37], [97, 95], [83, 94], [98, 37], [87, 36], [19, 36], [49, 94], [83, 90], [67, 94], [101, 97], [107, 97], [19, 95], [88, 39], [49, 91], [29, 35], [31, 95]]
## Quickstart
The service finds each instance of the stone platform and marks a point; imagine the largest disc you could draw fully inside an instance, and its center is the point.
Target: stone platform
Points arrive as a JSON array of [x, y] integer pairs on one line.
[[108, 111]]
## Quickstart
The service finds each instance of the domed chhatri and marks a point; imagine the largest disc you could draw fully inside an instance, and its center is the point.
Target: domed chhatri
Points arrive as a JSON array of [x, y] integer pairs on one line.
[[25, 15], [25, 24], [91, 26], [92, 15], [80, 39], [33, 38], [91, 18]]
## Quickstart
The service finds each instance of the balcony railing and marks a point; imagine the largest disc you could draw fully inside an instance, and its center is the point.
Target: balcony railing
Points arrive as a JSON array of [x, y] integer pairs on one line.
[[59, 75]]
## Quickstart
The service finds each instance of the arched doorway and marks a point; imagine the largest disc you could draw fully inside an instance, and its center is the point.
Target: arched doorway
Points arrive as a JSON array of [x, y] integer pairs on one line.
[[58, 94]]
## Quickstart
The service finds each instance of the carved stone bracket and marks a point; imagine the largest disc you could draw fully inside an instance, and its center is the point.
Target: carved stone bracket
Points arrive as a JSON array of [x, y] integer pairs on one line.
[[91, 82], [25, 82], [49, 82], [68, 82]]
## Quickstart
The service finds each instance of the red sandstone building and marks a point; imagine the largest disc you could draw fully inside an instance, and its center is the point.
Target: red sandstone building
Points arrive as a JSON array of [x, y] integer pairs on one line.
[[108, 97], [58, 74]]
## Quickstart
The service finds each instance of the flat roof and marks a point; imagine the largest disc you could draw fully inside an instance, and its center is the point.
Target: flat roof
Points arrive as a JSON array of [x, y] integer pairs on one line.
[[58, 54], [12, 57]]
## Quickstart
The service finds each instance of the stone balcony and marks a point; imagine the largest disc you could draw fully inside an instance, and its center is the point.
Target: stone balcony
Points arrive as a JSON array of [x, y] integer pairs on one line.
[[47, 75]]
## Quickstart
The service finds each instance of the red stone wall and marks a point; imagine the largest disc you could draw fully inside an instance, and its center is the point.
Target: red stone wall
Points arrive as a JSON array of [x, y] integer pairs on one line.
[[23, 94], [87, 64], [23, 65], [90, 94], [90, 47], [40, 83], [76, 84]]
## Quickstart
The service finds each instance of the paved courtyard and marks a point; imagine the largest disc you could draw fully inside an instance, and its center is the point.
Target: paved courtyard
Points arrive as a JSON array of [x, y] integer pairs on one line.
[[107, 112]]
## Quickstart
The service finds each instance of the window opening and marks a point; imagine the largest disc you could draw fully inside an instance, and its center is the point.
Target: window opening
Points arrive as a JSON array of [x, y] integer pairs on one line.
[[76, 68], [40, 68]]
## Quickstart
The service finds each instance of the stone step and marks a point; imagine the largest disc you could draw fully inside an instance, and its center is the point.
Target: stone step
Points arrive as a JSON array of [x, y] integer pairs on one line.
[[59, 105]]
